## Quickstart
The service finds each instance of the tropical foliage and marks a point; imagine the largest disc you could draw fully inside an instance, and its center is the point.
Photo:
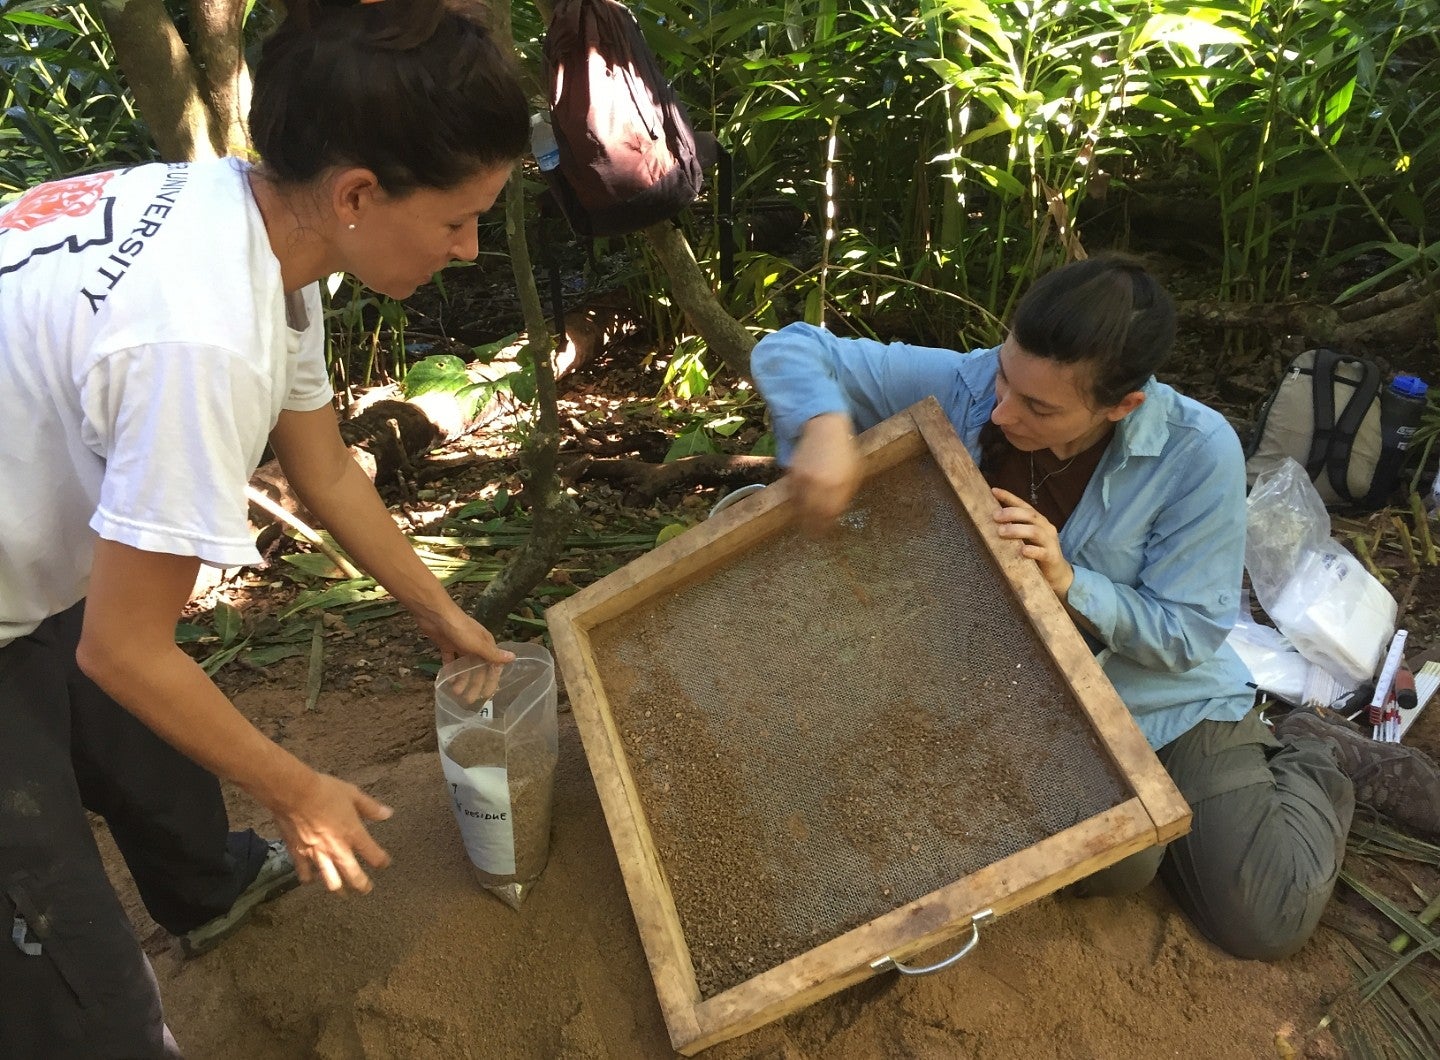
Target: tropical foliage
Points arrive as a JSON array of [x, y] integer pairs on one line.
[[927, 159]]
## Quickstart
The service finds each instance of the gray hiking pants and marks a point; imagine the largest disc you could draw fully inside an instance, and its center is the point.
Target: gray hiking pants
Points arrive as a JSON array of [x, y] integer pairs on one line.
[[1265, 845]]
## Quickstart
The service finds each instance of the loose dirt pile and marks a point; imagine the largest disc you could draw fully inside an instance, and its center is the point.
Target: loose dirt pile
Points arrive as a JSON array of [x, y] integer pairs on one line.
[[429, 966]]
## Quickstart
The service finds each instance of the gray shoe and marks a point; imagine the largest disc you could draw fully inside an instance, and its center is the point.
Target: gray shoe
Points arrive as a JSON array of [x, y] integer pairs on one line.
[[1401, 782], [276, 876]]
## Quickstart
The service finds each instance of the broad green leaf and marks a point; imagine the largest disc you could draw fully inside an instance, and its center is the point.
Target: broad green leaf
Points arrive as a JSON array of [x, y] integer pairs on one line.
[[189, 633], [228, 623], [34, 18], [223, 656], [689, 443], [443, 372], [725, 426], [1192, 31], [486, 353]]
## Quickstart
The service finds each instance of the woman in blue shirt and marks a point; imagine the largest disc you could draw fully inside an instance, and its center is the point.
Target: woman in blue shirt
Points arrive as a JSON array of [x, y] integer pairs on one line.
[[1130, 497]]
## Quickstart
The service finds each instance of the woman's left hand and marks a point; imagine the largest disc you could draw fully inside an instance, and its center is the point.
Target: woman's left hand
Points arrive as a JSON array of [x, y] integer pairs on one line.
[[1038, 539]]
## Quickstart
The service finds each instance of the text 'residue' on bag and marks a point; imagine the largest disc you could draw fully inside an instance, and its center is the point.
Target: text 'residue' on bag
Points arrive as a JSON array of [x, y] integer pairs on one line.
[[628, 154]]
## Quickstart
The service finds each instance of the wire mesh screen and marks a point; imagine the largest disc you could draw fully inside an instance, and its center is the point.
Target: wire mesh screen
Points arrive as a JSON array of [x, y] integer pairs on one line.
[[824, 730]]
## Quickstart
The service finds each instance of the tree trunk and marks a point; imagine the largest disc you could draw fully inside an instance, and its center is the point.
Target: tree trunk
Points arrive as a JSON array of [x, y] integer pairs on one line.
[[725, 335], [1405, 313], [161, 77], [1317, 323], [551, 510], [224, 79]]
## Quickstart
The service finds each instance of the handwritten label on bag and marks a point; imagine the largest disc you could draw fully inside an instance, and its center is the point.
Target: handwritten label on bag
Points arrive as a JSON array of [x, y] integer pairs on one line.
[[480, 798]]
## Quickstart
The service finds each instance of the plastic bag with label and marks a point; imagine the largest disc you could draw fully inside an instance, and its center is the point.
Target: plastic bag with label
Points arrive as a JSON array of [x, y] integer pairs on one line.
[[498, 737], [1321, 597]]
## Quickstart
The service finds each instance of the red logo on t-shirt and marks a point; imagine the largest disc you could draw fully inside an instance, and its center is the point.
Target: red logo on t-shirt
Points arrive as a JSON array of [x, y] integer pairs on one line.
[[75, 197]]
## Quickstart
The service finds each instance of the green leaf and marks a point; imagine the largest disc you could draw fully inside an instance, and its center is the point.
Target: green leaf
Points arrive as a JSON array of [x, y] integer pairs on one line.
[[814, 307], [273, 653], [189, 633], [669, 531], [360, 590], [315, 564], [32, 18], [223, 656], [486, 353], [443, 372], [1191, 31], [689, 443], [725, 426], [228, 623]]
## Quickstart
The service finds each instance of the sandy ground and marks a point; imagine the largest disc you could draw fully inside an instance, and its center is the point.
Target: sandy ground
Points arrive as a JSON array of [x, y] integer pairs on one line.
[[430, 966]]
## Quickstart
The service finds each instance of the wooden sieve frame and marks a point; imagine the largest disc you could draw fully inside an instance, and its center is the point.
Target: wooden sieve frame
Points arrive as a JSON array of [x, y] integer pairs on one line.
[[1155, 813]]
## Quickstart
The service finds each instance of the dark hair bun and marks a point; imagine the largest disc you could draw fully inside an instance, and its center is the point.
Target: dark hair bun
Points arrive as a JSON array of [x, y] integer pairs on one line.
[[416, 92]]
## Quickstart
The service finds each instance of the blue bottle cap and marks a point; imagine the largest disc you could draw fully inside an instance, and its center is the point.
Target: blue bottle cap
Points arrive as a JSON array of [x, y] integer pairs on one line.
[[1409, 386]]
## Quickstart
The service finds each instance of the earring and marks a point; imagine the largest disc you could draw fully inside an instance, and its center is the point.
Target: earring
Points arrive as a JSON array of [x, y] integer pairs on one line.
[[352, 228]]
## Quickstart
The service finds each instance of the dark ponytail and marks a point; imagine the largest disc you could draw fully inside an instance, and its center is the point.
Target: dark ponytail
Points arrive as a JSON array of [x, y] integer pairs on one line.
[[413, 90], [1108, 312]]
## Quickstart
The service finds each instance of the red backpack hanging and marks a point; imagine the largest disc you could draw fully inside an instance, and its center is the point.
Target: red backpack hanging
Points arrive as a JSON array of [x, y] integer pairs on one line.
[[628, 155]]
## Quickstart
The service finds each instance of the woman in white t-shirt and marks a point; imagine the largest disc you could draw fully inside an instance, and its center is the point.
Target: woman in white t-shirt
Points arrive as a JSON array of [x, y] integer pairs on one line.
[[158, 326]]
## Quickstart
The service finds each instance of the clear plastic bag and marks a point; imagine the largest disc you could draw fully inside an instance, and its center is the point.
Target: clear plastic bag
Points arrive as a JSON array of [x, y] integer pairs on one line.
[[1319, 596], [497, 731]]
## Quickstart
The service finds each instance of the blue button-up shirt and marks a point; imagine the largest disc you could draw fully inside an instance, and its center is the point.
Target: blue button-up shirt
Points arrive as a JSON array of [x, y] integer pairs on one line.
[[1157, 540]]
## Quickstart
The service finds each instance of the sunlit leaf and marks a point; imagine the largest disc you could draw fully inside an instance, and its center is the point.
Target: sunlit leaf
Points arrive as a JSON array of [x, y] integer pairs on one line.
[[690, 443]]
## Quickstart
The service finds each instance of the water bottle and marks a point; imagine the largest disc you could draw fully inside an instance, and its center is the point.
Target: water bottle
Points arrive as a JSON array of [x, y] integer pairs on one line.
[[542, 143], [1402, 404]]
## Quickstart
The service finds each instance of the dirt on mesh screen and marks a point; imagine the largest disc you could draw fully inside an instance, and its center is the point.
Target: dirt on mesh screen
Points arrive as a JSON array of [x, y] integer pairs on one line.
[[843, 781], [733, 868]]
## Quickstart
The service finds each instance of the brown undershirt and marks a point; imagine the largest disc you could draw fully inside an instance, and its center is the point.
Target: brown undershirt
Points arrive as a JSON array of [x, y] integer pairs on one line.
[[1059, 483]]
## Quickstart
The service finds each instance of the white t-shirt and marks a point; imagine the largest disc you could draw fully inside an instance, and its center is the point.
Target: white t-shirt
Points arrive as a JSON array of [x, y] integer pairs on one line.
[[147, 348]]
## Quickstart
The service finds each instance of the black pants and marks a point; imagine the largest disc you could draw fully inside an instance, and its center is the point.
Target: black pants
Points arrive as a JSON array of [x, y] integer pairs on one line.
[[66, 747]]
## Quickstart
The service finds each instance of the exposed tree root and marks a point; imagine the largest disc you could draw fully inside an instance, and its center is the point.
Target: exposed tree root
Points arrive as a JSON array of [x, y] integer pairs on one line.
[[645, 481]]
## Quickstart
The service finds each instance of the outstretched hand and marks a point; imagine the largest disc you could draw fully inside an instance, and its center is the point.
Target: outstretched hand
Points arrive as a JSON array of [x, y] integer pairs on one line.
[[323, 825], [1018, 521]]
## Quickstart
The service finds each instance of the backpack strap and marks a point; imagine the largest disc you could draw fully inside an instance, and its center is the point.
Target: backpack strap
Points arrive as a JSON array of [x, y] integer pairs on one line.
[[1335, 437], [550, 260], [711, 152]]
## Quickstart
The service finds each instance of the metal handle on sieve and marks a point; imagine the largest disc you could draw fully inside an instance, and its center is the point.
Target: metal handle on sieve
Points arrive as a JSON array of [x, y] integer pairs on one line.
[[888, 963]]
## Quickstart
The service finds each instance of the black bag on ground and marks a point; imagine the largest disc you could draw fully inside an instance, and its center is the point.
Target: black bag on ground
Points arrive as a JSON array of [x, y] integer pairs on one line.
[[1328, 414], [628, 154]]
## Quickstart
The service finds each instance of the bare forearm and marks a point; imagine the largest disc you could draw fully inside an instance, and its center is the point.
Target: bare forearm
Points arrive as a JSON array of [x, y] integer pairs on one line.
[[175, 698], [353, 512], [332, 485]]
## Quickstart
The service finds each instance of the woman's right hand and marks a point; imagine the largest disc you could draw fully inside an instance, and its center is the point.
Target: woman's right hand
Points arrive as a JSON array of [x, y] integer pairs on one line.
[[825, 469], [323, 824]]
